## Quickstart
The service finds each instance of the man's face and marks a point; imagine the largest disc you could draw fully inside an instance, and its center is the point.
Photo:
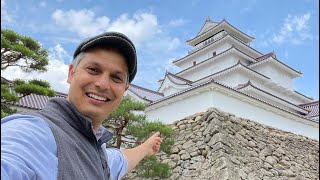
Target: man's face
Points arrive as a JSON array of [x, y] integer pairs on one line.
[[97, 84]]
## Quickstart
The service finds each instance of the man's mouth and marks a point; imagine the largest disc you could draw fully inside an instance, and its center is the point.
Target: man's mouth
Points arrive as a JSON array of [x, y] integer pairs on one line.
[[96, 97]]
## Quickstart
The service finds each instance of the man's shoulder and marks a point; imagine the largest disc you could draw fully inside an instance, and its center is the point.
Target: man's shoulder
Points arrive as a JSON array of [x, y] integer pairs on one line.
[[28, 147], [27, 123], [27, 128]]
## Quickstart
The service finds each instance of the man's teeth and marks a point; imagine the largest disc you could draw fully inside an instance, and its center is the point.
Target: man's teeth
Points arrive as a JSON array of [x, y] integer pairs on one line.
[[97, 97]]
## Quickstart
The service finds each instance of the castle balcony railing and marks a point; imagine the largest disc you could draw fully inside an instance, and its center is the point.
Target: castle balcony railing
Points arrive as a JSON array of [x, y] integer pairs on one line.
[[209, 41]]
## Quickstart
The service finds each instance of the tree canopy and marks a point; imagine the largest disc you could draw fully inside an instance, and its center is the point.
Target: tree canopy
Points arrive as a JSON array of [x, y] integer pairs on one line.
[[131, 128], [22, 51], [27, 54]]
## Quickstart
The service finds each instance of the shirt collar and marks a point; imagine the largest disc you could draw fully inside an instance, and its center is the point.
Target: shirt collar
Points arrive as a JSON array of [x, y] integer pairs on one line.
[[98, 133]]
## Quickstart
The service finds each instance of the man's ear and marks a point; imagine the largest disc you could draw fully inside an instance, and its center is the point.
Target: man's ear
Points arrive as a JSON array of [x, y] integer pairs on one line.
[[70, 73]]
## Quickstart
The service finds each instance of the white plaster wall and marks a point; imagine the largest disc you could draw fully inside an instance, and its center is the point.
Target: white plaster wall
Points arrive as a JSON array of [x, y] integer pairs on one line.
[[274, 101], [204, 54], [181, 108], [235, 105], [288, 96], [214, 66], [170, 90], [277, 75], [239, 77], [261, 115], [236, 77]]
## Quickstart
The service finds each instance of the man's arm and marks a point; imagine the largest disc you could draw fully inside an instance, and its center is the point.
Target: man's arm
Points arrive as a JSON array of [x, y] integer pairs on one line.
[[148, 148], [28, 149]]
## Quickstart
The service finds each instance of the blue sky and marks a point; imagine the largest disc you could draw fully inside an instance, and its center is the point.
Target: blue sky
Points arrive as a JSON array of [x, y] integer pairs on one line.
[[160, 28]]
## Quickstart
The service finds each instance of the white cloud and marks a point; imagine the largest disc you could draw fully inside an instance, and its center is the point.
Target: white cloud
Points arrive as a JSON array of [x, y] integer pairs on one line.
[[4, 13], [56, 75], [82, 22], [170, 66], [59, 53], [294, 30], [140, 27]]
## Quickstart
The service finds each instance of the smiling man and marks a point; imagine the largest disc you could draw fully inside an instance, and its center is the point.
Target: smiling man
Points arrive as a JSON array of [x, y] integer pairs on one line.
[[65, 140]]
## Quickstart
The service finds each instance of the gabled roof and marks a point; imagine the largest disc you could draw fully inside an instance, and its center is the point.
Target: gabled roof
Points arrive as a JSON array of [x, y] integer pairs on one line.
[[213, 30], [226, 36], [211, 81], [272, 58], [263, 57], [144, 93], [249, 84], [231, 49], [229, 69], [208, 24], [36, 102], [313, 107], [201, 48], [175, 80], [303, 95]]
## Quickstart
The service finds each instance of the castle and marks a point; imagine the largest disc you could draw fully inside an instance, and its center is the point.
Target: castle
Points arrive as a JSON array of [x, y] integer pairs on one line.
[[223, 71]]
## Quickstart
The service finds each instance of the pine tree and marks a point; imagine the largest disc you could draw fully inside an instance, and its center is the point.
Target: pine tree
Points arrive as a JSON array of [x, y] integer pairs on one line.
[[131, 128], [22, 51], [26, 53]]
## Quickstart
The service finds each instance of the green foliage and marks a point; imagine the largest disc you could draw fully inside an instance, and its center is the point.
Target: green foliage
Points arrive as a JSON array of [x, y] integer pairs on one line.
[[41, 83], [6, 95], [132, 128], [3, 114], [145, 129], [15, 47], [23, 88], [6, 111], [151, 168], [125, 110], [27, 89], [19, 82]]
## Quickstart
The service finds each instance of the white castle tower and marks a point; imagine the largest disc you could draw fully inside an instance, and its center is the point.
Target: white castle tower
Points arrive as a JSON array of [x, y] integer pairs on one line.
[[223, 71]]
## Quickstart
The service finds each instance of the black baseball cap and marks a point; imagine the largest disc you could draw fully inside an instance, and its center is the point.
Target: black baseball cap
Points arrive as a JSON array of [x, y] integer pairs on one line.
[[115, 40]]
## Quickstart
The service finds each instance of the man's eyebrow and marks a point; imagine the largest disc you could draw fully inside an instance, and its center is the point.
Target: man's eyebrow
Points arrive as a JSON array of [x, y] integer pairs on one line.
[[92, 63], [121, 73]]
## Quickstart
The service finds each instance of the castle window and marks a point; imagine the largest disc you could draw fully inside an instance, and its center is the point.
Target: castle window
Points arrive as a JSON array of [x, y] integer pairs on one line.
[[194, 63], [214, 53]]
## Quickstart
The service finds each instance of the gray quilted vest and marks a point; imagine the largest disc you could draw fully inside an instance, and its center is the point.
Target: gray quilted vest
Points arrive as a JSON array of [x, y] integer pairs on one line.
[[80, 156]]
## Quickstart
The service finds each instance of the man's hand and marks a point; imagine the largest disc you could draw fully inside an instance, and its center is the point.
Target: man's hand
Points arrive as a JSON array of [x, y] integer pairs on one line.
[[148, 148], [152, 145]]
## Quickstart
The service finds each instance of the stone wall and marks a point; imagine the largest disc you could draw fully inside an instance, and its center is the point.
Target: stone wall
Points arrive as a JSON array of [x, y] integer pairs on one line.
[[218, 145]]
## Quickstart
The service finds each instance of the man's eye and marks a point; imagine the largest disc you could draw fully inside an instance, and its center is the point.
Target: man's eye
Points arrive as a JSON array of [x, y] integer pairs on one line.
[[117, 79], [92, 70]]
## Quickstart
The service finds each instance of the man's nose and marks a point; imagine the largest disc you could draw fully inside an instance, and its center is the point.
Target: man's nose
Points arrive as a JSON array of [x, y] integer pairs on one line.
[[103, 82]]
